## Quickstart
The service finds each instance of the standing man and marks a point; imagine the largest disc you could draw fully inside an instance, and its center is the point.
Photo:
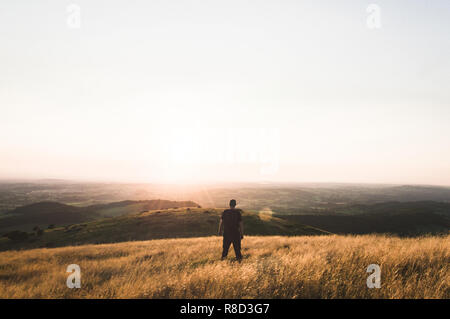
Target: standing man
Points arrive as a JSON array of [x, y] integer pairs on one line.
[[232, 229]]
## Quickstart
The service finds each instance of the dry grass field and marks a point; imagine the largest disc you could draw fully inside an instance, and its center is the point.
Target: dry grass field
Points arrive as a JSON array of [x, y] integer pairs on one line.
[[273, 267]]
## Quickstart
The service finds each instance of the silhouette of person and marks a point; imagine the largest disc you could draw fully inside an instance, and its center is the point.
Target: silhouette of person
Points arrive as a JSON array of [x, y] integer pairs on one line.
[[232, 229]]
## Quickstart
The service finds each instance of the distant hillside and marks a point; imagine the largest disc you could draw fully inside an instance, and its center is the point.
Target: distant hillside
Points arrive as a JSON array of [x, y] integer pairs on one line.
[[417, 193], [406, 219], [131, 206], [156, 224], [398, 208], [283, 198], [320, 198], [44, 214]]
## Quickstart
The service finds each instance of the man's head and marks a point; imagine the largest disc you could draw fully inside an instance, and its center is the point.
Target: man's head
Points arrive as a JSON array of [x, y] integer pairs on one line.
[[233, 203]]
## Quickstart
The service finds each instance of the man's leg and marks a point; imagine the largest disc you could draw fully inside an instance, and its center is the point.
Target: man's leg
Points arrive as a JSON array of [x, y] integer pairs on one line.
[[237, 247], [226, 246]]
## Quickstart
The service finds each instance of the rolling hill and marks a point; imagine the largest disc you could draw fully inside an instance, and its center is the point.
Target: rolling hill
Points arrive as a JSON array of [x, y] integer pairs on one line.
[[156, 224], [400, 218], [43, 214], [157, 219]]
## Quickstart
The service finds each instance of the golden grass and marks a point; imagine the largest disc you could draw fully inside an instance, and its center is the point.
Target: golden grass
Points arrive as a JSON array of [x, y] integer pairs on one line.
[[273, 267]]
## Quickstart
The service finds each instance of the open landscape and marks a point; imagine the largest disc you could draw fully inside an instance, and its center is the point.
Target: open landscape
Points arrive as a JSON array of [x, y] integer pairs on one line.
[[154, 248], [192, 150]]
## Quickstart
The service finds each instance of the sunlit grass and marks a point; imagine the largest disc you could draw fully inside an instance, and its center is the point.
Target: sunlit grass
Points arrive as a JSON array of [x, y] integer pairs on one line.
[[273, 267]]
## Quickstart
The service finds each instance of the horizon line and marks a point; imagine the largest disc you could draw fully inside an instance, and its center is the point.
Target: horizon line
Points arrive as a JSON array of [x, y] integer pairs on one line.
[[268, 182]]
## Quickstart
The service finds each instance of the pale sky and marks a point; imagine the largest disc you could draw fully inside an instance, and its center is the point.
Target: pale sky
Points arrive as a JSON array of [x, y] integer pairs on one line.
[[189, 91]]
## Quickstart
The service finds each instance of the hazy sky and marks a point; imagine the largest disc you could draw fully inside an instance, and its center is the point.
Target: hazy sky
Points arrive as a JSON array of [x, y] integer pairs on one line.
[[225, 91]]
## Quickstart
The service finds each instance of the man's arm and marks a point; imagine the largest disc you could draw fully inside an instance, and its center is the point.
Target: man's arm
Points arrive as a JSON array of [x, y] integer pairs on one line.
[[241, 228], [220, 232]]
